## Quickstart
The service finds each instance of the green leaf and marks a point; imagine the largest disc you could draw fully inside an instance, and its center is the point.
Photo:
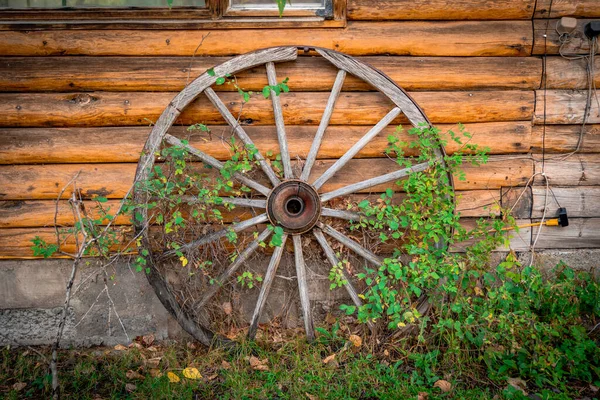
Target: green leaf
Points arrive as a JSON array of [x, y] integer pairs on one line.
[[210, 72], [220, 80], [266, 92], [101, 199]]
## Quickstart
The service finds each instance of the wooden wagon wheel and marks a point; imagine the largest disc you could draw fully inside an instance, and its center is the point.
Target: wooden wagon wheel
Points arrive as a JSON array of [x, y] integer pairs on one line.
[[293, 203]]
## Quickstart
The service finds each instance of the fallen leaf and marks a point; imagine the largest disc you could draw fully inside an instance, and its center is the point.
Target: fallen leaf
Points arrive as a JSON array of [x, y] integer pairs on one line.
[[172, 377], [155, 372], [212, 377], [191, 345], [133, 375], [120, 347], [356, 340], [444, 386], [328, 359], [386, 353], [310, 396], [422, 396], [478, 291], [192, 373], [259, 365], [19, 386], [153, 362], [593, 388], [225, 365], [136, 345], [130, 387], [148, 339], [152, 349], [227, 308], [330, 319], [518, 384]]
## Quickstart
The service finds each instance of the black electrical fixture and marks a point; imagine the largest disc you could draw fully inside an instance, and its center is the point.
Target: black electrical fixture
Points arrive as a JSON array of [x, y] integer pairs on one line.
[[563, 219], [592, 29]]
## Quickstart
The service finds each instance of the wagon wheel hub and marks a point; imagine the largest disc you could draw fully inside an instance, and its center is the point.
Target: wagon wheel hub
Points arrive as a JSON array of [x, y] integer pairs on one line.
[[294, 205]]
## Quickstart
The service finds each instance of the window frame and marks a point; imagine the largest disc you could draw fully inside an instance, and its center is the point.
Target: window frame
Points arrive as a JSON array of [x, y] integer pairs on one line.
[[216, 15]]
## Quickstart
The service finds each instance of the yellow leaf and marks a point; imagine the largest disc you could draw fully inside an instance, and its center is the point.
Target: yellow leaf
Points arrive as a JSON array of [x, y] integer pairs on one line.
[[192, 373], [356, 340], [328, 359], [172, 377], [183, 260]]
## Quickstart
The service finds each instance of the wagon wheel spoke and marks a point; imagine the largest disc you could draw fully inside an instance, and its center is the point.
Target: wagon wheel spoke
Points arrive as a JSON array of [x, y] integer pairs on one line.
[[211, 237], [236, 201], [351, 244], [266, 287], [213, 162], [316, 144], [233, 267], [378, 180], [279, 124], [341, 214], [333, 260], [303, 288], [241, 133], [384, 122]]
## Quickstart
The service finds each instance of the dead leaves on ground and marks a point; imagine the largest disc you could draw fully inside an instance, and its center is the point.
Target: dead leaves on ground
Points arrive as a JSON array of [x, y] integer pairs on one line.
[[258, 364], [444, 386]]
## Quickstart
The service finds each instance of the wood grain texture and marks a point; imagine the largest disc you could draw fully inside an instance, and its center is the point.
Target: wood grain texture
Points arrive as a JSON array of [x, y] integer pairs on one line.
[[478, 38], [35, 74], [123, 144], [440, 9], [33, 182], [564, 107], [567, 8], [576, 170], [569, 74], [564, 138], [580, 202], [352, 108], [578, 43], [582, 233]]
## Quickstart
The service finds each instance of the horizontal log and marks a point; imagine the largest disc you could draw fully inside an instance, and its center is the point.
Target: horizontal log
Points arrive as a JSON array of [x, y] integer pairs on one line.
[[575, 170], [569, 74], [564, 138], [564, 107], [578, 43], [41, 213], [518, 241], [123, 144], [567, 8], [30, 182], [42, 74], [580, 202], [582, 233], [477, 38], [439, 9], [352, 108]]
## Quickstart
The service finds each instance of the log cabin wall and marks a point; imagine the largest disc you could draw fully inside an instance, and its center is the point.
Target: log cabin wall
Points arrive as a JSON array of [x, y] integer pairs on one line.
[[81, 101]]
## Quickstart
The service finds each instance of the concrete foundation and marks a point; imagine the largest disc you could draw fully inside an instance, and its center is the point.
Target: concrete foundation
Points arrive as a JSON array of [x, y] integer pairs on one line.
[[32, 293]]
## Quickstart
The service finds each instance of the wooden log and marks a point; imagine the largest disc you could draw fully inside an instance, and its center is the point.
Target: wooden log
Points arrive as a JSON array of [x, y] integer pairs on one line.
[[516, 201], [564, 138], [577, 44], [40, 213], [439, 9], [123, 144], [569, 74], [582, 233], [580, 202], [31, 182], [518, 241], [352, 108], [42, 74], [564, 107], [576, 170], [567, 8], [478, 38]]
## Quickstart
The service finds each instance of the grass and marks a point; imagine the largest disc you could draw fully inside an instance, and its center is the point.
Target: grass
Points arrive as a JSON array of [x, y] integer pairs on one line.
[[290, 369]]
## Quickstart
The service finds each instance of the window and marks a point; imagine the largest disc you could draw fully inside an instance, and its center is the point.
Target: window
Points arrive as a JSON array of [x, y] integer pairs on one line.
[[169, 14]]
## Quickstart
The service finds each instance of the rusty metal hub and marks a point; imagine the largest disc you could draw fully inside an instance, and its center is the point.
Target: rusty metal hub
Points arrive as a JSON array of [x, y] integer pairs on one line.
[[294, 205]]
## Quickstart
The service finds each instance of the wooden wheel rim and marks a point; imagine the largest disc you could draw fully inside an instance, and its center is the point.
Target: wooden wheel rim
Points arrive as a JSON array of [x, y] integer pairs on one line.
[[345, 64]]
